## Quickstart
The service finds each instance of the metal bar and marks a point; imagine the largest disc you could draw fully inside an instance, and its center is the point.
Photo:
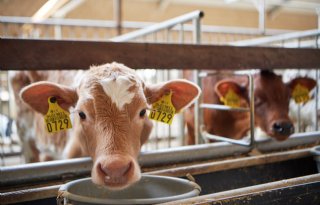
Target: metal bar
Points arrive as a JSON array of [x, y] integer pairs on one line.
[[276, 38], [157, 27], [60, 169], [251, 104], [117, 10], [198, 114], [224, 139], [223, 107], [317, 100], [294, 140], [136, 25], [43, 171], [262, 11]]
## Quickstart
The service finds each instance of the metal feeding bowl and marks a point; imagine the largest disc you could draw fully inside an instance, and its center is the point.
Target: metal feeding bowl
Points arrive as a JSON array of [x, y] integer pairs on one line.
[[149, 190]]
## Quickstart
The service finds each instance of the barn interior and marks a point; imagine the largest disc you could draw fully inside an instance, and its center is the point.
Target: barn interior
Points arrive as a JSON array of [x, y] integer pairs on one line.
[[163, 40]]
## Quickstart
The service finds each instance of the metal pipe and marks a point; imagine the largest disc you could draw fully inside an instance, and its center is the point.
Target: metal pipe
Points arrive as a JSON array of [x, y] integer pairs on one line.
[[272, 39], [317, 100], [159, 26], [117, 13], [198, 115], [60, 169], [251, 104], [136, 25], [261, 10], [294, 140], [223, 107], [209, 136], [43, 171]]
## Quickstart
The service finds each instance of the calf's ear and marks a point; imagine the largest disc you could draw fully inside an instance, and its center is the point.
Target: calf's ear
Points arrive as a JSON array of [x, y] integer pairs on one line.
[[222, 88], [309, 83], [184, 92], [36, 95]]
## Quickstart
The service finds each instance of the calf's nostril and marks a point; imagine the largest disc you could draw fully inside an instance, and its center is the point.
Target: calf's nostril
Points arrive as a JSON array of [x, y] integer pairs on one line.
[[284, 128]]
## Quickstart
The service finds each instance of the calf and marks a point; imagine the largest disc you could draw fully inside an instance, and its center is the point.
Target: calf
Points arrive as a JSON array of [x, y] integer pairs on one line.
[[111, 123], [37, 144], [271, 102]]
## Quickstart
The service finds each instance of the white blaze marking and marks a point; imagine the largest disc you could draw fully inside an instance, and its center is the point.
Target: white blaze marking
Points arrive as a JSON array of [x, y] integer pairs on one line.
[[117, 90]]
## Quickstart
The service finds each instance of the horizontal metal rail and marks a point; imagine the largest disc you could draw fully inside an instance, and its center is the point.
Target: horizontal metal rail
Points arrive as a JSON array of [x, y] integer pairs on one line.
[[209, 136], [159, 26], [223, 107], [297, 139], [60, 169], [64, 169], [276, 38], [133, 25]]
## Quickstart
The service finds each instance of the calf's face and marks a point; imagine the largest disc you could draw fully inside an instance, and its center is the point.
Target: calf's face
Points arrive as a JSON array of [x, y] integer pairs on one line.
[[271, 101], [111, 121]]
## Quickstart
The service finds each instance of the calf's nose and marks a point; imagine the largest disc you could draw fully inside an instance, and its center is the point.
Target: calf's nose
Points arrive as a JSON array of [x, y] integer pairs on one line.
[[115, 168], [283, 128]]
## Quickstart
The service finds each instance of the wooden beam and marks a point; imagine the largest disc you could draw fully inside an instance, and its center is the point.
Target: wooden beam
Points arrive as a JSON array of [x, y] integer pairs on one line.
[[48, 54]]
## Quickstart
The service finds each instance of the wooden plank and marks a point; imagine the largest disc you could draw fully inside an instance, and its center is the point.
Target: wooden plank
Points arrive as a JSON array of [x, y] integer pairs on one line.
[[18, 54]]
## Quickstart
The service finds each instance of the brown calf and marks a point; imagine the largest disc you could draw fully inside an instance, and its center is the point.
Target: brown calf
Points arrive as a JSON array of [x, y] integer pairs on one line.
[[271, 106], [111, 124]]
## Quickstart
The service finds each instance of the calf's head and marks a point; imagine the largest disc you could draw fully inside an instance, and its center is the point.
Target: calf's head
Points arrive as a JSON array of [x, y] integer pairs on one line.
[[111, 121], [271, 101]]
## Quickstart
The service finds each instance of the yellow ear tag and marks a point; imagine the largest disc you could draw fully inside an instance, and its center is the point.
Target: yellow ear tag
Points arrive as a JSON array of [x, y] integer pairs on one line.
[[56, 118], [163, 110], [300, 94], [231, 99]]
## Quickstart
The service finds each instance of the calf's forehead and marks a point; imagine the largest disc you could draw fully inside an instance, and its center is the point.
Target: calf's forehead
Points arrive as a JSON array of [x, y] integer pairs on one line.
[[272, 88], [120, 85]]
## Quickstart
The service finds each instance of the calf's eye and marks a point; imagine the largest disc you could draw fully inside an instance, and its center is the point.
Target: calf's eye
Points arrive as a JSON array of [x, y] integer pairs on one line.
[[82, 115], [142, 112]]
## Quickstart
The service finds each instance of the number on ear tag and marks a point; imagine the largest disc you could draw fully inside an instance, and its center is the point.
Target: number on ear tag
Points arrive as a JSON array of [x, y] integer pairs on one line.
[[56, 118], [231, 99], [163, 110], [300, 94]]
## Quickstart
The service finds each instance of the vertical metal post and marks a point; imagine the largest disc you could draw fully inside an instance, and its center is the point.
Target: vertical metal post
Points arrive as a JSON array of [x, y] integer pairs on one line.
[[251, 95], [318, 13], [317, 100], [317, 77], [57, 32], [117, 15], [262, 20], [260, 6], [198, 116]]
